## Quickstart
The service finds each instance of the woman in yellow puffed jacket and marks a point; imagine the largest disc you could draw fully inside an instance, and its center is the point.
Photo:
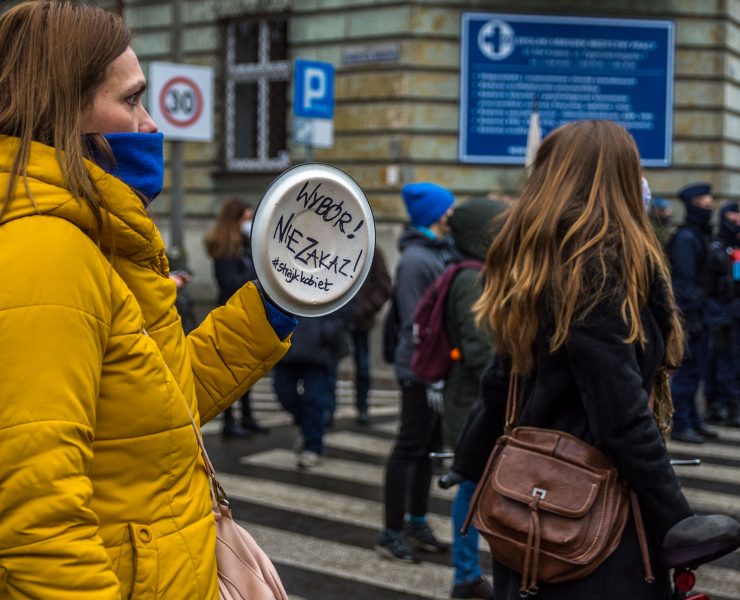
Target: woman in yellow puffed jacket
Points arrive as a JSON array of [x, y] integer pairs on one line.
[[103, 493]]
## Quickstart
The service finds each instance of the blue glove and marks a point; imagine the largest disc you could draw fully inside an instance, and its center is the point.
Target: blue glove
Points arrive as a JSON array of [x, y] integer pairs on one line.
[[283, 323]]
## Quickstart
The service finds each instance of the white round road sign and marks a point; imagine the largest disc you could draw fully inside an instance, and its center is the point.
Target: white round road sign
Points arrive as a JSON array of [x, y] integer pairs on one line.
[[313, 239], [180, 101]]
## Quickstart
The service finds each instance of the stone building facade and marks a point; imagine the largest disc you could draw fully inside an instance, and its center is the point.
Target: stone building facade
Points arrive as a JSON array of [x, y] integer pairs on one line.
[[397, 74]]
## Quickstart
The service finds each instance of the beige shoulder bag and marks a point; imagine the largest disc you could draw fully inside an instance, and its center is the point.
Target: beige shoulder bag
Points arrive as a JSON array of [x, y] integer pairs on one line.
[[245, 572]]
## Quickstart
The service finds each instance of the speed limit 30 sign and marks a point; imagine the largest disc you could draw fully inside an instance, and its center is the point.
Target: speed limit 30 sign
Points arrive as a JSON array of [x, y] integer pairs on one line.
[[181, 101]]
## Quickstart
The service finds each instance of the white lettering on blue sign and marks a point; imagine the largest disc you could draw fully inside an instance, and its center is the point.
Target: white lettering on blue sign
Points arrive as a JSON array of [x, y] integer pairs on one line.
[[314, 86]]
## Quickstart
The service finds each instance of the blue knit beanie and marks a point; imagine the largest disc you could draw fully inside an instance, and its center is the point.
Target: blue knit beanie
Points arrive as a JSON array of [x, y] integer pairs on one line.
[[426, 203]]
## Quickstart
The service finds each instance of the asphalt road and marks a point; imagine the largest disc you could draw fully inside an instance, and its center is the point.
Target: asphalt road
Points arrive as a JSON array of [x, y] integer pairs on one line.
[[319, 526]]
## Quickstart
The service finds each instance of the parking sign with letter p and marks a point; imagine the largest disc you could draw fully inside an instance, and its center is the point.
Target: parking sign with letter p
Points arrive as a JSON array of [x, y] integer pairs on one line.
[[313, 89]]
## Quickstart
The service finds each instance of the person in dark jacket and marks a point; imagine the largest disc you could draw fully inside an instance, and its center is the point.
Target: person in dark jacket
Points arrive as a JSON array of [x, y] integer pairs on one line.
[[425, 250], [579, 301], [472, 232], [689, 253], [304, 379], [370, 299], [228, 245], [723, 363]]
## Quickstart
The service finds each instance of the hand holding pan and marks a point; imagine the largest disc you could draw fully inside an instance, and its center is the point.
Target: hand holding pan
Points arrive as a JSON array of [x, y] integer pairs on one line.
[[313, 239]]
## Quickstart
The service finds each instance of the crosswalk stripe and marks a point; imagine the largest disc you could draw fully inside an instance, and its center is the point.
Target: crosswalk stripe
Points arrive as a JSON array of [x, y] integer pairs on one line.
[[336, 468], [278, 417], [359, 442], [718, 581], [344, 390], [728, 433], [713, 502], [319, 503], [705, 450], [369, 444], [429, 580], [268, 401], [390, 427], [709, 472], [353, 562]]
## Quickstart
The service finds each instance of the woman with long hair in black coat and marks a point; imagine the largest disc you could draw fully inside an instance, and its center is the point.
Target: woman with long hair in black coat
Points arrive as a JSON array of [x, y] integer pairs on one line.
[[228, 244], [579, 301]]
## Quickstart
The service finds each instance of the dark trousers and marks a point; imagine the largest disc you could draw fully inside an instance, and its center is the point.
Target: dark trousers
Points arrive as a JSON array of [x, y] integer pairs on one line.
[[720, 385], [408, 473], [308, 405], [685, 383], [361, 346], [331, 390], [246, 411]]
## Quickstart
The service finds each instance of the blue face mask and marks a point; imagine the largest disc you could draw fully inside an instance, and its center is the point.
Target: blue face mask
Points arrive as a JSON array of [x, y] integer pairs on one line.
[[139, 161]]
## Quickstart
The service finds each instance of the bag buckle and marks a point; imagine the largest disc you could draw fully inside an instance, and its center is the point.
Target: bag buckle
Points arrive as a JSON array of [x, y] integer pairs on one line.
[[539, 492], [219, 491]]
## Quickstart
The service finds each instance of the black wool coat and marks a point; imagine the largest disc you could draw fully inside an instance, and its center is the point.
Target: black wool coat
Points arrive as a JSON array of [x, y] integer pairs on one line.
[[595, 387]]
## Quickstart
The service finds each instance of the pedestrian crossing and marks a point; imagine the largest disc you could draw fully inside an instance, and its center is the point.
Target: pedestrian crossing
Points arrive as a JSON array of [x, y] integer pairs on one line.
[[319, 526]]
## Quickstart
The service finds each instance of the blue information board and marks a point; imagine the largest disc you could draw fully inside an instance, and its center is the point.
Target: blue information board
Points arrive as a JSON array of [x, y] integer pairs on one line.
[[313, 89], [576, 68]]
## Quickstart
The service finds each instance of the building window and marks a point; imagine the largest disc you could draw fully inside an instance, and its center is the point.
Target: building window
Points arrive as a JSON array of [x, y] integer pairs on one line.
[[257, 75]]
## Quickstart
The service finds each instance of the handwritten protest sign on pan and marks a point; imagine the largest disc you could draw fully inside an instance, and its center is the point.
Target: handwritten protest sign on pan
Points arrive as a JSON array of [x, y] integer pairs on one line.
[[313, 239]]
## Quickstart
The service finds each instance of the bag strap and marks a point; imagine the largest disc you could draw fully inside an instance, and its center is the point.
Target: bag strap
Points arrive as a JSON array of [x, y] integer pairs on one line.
[[639, 523], [512, 401], [218, 495], [470, 263], [641, 537]]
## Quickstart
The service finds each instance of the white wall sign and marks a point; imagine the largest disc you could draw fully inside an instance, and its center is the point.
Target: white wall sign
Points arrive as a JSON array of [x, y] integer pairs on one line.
[[181, 101], [318, 133], [376, 53]]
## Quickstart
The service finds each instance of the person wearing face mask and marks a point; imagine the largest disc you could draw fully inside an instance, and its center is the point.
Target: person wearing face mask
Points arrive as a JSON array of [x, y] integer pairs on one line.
[[689, 251], [660, 215], [228, 245], [104, 490]]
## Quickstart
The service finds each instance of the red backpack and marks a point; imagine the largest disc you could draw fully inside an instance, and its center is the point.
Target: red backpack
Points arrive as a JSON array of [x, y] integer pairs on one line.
[[433, 354]]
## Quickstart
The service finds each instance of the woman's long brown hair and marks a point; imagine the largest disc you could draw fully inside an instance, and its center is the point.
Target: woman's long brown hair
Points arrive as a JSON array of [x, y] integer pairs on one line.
[[224, 239], [577, 236], [53, 56]]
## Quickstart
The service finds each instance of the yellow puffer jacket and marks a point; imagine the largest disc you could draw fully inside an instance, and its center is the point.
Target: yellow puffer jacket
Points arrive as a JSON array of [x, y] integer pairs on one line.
[[103, 493]]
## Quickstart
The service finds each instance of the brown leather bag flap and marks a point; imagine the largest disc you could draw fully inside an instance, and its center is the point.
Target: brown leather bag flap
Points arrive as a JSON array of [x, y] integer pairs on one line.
[[523, 474], [561, 444]]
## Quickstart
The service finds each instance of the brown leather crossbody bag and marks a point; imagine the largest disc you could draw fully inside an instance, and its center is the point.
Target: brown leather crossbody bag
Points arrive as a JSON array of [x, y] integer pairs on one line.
[[551, 506]]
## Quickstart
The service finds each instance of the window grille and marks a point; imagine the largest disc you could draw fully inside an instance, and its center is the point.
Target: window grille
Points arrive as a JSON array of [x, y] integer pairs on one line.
[[256, 86]]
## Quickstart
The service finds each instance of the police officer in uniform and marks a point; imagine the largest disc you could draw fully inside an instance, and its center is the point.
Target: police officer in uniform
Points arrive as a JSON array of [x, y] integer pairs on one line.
[[721, 385], [689, 251]]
